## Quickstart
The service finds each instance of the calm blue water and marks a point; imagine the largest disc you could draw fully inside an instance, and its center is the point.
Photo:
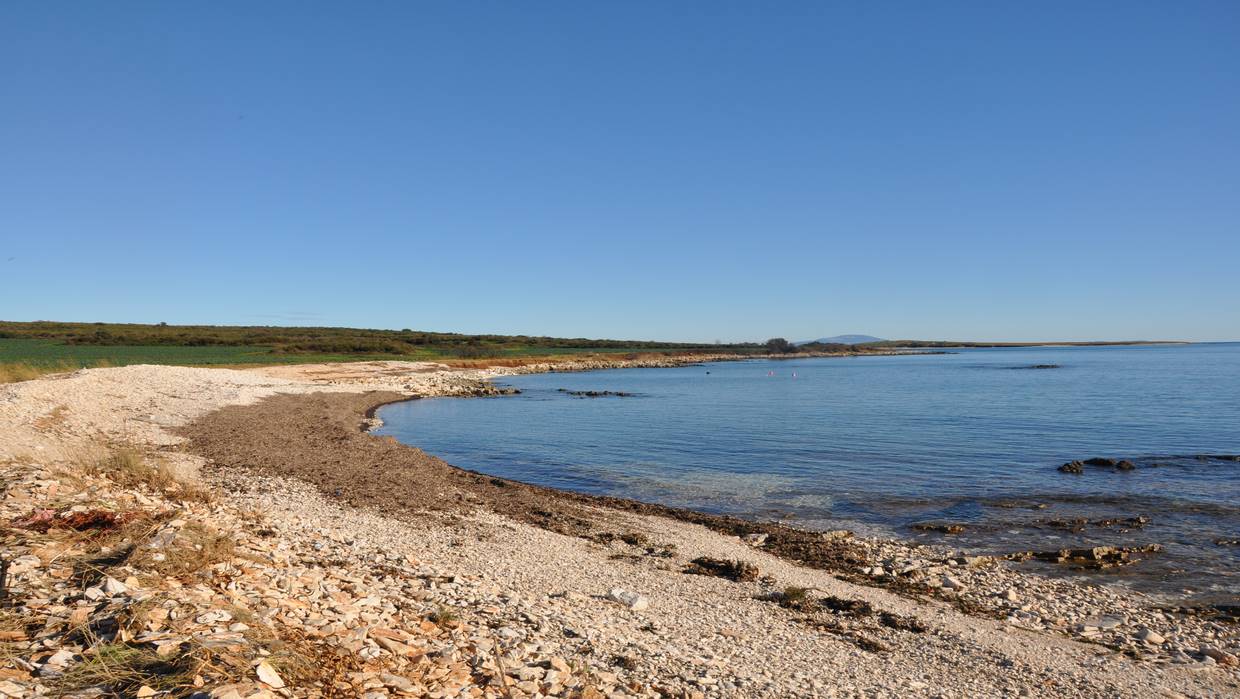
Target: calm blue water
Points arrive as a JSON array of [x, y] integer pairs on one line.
[[878, 443]]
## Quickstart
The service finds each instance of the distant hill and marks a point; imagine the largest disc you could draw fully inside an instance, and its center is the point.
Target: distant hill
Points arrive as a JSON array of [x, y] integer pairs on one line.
[[844, 340]]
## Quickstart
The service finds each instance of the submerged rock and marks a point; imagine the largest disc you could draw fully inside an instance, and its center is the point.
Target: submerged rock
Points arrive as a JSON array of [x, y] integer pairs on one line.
[[1095, 558], [1079, 524], [596, 394], [1079, 466], [938, 527]]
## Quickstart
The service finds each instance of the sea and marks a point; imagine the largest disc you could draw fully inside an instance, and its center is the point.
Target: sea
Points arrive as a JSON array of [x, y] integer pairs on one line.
[[879, 444]]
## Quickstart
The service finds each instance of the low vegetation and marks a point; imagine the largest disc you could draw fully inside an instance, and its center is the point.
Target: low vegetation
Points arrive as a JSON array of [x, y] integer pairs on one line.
[[325, 340], [126, 669], [11, 372], [28, 350], [129, 468]]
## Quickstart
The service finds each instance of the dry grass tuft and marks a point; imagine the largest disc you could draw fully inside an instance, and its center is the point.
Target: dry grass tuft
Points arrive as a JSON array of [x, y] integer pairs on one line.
[[302, 662], [129, 468], [443, 617], [12, 372], [52, 419], [15, 629], [124, 669], [196, 548]]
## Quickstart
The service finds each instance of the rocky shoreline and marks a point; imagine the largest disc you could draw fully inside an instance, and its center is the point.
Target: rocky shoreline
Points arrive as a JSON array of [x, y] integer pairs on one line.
[[357, 566]]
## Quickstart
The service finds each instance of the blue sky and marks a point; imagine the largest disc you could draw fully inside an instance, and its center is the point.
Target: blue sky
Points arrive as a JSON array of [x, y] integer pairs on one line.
[[696, 170]]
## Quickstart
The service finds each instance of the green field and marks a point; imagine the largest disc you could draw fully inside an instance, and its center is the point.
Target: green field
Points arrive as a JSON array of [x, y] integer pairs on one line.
[[41, 353], [29, 349], [53, 353]]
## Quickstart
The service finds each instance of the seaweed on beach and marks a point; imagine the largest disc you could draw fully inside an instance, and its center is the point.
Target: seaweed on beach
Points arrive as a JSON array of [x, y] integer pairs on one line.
[[737, 571]]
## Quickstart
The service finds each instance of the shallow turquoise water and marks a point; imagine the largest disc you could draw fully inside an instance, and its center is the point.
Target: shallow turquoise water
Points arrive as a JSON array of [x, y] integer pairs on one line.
[[878, 443]]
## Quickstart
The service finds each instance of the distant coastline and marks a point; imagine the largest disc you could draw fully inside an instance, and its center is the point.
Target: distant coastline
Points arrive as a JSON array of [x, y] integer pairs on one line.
[[917, 344]]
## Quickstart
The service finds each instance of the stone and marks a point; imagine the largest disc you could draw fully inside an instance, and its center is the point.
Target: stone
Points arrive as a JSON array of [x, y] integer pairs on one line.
[[1110, 622], [1151, 637], [268, 675], [24, 564], [632, 600], [400, 684], [952, 583], [755, 539], [61, 658], [145, 691], [1220, 656], [215, 616], [529, 672], [114, 587]]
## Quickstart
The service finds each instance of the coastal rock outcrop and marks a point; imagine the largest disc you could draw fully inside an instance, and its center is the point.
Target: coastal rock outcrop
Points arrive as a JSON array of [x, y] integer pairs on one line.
[[1094, 558], [1078, 467], [1072, 467], [938, 527]]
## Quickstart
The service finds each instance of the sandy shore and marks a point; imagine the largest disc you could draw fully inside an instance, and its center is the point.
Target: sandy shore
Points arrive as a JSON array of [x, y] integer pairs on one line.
[[415, 578]]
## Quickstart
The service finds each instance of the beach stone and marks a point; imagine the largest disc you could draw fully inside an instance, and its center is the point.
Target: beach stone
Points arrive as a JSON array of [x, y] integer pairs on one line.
[[1220, 656], [114, 587], [400, 684], [1110, 622], [952, 583], [268, 675], [632, 600], [60, 658], [1151, 637], [754, 539], [24, 564], [214, 616]]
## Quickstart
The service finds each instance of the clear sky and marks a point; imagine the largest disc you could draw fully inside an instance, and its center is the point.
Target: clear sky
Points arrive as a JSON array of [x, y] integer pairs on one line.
[[666, 170]]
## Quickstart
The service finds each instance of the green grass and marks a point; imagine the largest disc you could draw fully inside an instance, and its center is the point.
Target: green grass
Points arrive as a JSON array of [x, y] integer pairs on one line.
[[63, 357], [51, 353]]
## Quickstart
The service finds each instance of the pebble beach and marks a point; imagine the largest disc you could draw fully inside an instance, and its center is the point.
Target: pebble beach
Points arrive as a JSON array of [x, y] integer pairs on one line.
[[265, 545]]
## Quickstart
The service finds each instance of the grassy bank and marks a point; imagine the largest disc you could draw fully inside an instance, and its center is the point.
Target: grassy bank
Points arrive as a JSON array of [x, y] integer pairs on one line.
[[28, 350]]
